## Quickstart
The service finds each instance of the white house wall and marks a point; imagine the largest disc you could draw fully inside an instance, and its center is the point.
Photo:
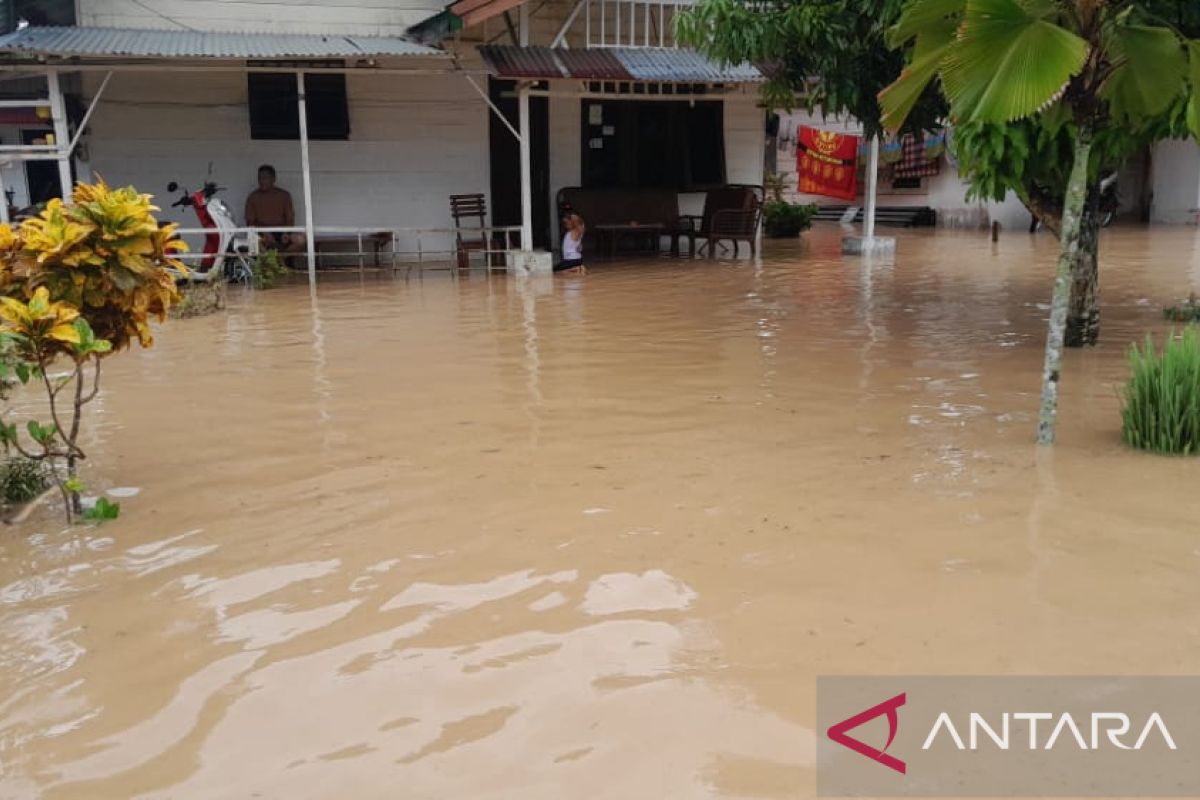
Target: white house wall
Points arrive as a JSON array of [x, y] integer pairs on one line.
[[1176, 182], [744, 137], [565, 148], [382, 18], [413, 142], [376, 18]]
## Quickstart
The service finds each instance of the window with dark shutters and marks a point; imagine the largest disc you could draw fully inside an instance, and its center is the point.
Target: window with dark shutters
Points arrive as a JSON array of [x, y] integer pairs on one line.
[[659, 144], [273, 106]]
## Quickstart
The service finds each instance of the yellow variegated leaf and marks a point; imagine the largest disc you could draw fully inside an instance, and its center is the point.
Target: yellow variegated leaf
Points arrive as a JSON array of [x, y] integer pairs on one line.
[[39, 304], [64, 333]]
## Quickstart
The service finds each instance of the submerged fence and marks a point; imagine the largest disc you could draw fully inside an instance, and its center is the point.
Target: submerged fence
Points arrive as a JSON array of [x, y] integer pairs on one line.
[[375, 248]]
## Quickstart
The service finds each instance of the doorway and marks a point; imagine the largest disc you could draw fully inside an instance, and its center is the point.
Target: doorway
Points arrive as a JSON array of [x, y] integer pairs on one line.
[[505, 159], [40, 176]]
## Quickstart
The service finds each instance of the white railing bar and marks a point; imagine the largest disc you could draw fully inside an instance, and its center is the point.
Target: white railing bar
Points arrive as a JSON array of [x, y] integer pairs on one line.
[[347, 229]]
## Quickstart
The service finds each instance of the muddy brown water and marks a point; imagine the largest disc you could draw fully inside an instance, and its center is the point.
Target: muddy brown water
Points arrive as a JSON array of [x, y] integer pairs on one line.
[[589, 537]]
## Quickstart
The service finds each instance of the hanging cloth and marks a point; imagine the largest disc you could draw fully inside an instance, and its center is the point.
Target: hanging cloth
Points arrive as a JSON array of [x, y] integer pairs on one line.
[[827, 163], [912, 163]]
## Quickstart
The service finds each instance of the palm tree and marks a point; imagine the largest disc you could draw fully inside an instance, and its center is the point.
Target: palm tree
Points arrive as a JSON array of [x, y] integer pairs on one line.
[[1089, 64]]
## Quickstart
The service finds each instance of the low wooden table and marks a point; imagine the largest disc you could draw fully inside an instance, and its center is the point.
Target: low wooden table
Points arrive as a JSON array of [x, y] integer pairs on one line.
[[614, 231]]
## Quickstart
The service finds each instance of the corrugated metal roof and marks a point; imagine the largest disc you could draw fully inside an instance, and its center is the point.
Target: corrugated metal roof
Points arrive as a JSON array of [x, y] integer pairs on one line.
[[668, 65], [130, 42], [600, 63], [522, 62], [663, 64]]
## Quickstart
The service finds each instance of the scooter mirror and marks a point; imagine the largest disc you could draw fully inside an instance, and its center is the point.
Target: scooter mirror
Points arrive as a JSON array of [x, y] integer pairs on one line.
[[172, 186]]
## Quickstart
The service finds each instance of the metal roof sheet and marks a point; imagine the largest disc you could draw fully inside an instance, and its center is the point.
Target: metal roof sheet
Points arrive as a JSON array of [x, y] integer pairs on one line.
[[669, 65], [130, 42], [681, 64], [600, 63], [507, 61]]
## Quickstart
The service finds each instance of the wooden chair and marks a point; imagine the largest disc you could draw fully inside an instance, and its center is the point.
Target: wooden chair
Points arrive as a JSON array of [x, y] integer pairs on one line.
[[735, 225], [732, 198], [469, 238]]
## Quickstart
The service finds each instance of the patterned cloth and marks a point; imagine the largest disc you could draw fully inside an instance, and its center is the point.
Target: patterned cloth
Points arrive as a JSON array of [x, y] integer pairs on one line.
[[912, 163]]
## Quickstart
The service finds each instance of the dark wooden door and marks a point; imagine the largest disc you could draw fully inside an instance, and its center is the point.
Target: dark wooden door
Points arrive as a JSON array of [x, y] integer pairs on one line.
[[505, 154]]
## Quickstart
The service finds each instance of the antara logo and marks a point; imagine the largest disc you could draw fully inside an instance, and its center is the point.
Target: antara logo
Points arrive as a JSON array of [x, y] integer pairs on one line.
[[1114, 725], [1105, 728], [838, 733]]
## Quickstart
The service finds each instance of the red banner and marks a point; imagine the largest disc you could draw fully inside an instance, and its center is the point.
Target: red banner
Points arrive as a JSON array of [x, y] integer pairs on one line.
[[827, 164]]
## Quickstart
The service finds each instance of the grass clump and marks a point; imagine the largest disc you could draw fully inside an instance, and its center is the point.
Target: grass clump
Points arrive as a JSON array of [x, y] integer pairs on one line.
[[1161, 410]]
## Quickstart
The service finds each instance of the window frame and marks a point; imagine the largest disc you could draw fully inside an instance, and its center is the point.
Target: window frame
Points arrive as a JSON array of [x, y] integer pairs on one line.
[[327, 104]]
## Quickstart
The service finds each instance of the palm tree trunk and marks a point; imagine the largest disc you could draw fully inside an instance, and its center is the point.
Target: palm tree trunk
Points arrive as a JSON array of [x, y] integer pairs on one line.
[[1083, 317], [1071, 242]]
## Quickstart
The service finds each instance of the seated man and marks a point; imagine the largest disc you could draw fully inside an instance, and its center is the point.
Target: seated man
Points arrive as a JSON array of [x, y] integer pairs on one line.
[[268, 206]]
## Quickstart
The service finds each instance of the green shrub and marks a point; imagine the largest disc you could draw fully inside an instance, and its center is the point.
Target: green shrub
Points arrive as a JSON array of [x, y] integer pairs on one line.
[[1161, 409], [22, 479], [1187, 311], [783, 219], [268, 270]]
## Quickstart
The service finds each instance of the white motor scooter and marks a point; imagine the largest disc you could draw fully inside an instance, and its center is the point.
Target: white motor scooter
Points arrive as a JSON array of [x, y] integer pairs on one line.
[[227, 253]]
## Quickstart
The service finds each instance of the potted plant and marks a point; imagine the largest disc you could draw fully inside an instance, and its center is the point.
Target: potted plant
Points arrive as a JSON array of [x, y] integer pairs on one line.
[[781, 219]]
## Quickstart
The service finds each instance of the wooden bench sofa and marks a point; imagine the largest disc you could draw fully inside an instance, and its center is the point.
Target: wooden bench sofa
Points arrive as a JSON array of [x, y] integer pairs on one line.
[[730, 213]]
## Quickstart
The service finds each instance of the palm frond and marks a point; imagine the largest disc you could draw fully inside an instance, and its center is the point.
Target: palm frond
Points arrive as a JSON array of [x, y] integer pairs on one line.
[[921, 15], [1008, 64], [1151, 70]]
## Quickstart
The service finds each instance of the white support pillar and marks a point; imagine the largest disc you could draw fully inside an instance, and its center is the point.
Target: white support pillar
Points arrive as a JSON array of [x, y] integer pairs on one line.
[[526, 169], [58, 115], [310, 239], [526, 160], [872, 189], [868, 243], [3, 198]]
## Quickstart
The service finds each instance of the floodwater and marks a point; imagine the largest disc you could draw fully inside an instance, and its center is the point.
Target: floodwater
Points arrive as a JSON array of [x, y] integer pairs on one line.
[[589, 537]]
